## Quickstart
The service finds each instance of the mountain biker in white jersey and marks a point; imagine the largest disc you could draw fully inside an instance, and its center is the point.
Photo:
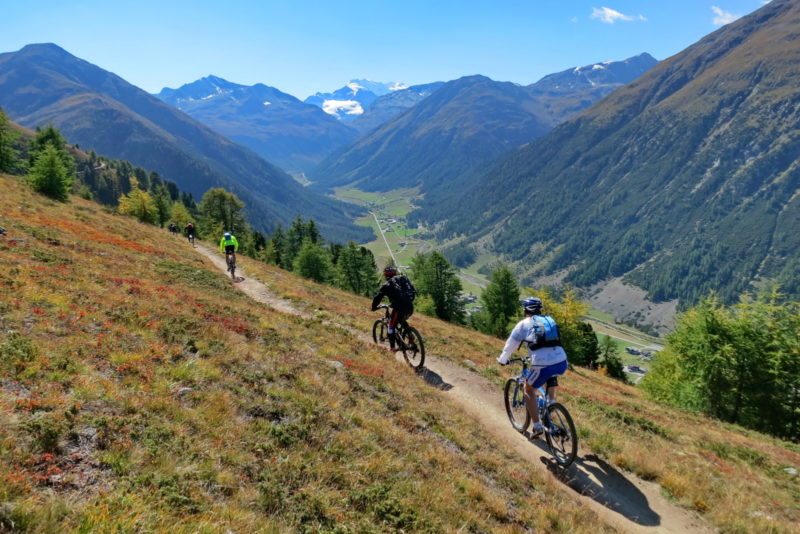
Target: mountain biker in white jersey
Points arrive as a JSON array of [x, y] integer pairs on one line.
[[548, 359]]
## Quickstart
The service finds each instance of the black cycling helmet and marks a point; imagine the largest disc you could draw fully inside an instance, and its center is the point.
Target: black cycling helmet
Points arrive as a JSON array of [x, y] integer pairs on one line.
[[532, 305], [389, 271]]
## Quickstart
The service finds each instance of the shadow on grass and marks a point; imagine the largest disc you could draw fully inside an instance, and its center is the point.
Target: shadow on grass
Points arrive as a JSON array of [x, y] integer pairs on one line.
[[596, 479]]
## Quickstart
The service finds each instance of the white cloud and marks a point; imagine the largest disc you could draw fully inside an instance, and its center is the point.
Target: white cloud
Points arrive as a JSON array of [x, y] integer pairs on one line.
[[722, 17], [610, 16]]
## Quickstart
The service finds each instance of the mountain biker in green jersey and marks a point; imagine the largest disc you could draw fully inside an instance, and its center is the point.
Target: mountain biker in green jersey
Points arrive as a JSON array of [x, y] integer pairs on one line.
[[548, 359], [228, 244]]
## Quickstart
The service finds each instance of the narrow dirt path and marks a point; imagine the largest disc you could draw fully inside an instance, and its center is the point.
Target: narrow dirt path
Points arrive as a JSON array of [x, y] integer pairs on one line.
[[620, 499]]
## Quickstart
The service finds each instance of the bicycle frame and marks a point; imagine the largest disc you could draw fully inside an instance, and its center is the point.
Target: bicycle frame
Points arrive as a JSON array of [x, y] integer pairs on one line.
[[559, 429]]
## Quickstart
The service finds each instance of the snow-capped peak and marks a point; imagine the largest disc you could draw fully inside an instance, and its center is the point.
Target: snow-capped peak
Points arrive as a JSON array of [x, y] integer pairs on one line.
[[355, 87]]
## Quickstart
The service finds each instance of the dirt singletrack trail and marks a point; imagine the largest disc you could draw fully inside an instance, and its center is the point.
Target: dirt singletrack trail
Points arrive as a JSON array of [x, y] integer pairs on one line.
[[621, 499]]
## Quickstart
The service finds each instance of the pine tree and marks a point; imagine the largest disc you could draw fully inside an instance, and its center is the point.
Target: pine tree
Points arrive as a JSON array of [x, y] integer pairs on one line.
[[49, 175], [313, 262], [434, 276], [180, 215], [221, 211], [501, 302], [162, 202], [9, 160], [356, 271], [276, 246], [611, 360], [50, 136]]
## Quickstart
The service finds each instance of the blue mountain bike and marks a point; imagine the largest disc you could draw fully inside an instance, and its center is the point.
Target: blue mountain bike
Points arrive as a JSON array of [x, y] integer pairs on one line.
[[559, 430]]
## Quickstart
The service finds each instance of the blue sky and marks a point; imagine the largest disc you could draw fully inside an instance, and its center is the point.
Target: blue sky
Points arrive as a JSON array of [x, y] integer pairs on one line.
[[305, 46]]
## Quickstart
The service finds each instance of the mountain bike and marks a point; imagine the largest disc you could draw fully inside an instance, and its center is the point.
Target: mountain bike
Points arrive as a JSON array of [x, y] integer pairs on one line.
[[230, 259], [191, 239], [408, 339], [559, 430]]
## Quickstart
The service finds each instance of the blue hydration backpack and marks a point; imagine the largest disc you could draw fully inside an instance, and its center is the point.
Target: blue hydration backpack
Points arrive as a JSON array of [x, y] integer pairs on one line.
[[546, 331]]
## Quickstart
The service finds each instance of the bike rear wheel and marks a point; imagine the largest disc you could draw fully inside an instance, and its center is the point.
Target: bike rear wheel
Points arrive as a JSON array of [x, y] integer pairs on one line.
[[379, 332], [562, 439], [412, 346], [515, 405], [232, 266]]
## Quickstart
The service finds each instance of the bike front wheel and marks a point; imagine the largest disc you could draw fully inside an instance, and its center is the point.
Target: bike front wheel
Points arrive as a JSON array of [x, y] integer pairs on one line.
[[413, 347], [562, 439], [516, 409], [379, 332]]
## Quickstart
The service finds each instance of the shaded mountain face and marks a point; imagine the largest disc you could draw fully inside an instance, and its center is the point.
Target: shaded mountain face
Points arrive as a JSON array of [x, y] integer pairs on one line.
[[276, 126], [98, 110], [453, 128], [388, 105], [685, 181], [353, 99]]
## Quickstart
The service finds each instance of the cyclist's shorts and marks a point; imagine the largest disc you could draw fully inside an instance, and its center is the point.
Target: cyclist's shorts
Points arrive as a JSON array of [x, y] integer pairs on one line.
[[539, 375], [230, 249], [399, 314]]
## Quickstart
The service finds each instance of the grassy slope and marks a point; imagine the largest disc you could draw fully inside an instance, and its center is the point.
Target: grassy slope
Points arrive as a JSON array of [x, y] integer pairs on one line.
[[736, 478], [140, 392], [115, 319]]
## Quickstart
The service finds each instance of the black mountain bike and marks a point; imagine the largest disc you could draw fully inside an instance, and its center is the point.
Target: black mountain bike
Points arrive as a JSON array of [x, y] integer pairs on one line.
[[408, 339], [559, 430]]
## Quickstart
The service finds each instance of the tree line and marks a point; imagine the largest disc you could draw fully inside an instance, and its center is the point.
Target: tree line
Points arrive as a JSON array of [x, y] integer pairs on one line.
[[738, 363]]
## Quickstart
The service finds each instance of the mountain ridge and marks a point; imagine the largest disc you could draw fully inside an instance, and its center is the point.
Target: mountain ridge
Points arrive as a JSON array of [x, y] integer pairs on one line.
[[97, 109], [460, 126], [274, 124]]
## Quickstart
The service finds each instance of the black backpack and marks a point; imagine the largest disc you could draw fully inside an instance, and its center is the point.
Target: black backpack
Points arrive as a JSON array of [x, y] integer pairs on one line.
[[404, 289]]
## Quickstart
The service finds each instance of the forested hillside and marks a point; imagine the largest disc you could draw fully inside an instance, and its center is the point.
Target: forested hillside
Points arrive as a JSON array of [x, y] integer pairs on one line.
[[682, 182]]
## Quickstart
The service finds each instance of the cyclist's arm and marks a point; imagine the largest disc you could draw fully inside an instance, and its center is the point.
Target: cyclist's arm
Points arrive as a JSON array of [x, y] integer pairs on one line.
[[222, 245], [512, 344], [235, 244], [376, 300]]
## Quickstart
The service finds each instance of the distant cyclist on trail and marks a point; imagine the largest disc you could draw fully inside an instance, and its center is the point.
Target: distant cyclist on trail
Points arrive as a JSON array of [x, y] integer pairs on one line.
[[401, 294], [548, 359], [189, 231]]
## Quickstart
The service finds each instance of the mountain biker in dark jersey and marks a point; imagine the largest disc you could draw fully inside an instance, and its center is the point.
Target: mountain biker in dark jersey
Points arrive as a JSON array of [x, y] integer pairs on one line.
[[189, 231], [548, 359], [402, 305]]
